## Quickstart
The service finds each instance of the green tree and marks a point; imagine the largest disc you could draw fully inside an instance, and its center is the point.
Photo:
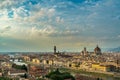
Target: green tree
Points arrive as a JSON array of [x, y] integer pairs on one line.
[[57, 75], [21, 67], [4, 78]]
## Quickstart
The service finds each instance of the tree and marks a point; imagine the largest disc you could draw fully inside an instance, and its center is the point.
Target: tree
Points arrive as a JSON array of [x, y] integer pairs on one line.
[[23, 67], [4, 78], [25, 75], [57, 75]]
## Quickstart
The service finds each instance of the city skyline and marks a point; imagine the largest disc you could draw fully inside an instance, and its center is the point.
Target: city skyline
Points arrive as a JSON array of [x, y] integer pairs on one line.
[[71, 25]]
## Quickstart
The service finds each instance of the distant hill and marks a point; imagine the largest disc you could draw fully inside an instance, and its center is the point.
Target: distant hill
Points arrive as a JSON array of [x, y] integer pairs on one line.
[[115, 49]]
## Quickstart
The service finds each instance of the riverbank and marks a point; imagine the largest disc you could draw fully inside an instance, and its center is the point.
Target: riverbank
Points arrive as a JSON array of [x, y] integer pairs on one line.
[[103, 76]]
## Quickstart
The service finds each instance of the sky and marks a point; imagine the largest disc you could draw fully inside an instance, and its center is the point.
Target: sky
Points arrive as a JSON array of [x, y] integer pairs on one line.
[[71, 25]]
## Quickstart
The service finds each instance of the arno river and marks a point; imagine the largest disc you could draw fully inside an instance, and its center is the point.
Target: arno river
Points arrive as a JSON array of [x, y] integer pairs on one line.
[[92, 74]]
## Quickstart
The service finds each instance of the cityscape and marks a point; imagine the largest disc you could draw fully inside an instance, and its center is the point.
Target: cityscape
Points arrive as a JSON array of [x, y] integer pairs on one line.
[[84, 65], [59, 40]]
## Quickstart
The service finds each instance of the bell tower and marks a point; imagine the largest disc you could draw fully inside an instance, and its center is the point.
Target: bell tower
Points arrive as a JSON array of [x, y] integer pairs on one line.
[[54, 49]]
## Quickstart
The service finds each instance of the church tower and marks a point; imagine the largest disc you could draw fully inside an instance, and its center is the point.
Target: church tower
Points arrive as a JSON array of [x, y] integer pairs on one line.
[[54, 49], [84, 52]]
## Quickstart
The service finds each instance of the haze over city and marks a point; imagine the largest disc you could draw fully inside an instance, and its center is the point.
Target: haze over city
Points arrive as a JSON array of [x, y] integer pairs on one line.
[[38, 25]]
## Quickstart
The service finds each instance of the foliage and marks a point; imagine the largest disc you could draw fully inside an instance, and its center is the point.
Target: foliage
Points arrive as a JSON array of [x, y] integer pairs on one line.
[[24, 76], [21, 67], [4, 78], [57, 75], [40, 79]]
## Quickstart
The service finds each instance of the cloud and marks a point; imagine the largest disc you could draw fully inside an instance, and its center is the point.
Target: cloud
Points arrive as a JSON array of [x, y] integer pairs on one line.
[[59, 19], [9, 4], [20, 12], [6, 3], [5, 29], [3, 14], [36, 32], [27, 32], [42, 32]]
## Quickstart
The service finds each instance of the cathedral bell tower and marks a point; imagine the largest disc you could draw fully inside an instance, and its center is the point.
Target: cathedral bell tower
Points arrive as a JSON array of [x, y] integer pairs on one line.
[[54, 49]]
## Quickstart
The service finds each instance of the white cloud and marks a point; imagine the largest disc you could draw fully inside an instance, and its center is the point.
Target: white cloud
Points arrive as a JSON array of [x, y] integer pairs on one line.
[[42, 32], [20, 12], [4, 15], [4, 30], [42, 13], [51, 12], [36, 32], [5, 3], [27, 32], [59, 19], [9, 3]]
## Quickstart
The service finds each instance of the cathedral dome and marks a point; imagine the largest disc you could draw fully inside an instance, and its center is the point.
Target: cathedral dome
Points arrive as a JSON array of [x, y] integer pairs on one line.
[[97, 49]]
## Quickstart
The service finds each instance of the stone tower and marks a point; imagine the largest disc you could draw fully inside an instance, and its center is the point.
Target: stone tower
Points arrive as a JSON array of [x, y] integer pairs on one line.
[[54, 49]]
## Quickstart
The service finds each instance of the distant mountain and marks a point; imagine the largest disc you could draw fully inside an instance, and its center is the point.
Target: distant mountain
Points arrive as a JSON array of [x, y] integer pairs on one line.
[[114, 49]]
